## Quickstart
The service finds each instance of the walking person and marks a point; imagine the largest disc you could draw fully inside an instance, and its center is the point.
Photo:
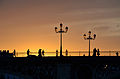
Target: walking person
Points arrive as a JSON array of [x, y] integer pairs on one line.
[[56, 53], [66, 52], [28, 51], [117, 54], [14, 53], [98, 52], [39, 53], [43, 52], [83, 54], [94, 52]]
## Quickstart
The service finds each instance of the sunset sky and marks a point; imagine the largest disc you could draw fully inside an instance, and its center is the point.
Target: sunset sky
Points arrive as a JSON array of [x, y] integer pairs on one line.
[[30, 24]]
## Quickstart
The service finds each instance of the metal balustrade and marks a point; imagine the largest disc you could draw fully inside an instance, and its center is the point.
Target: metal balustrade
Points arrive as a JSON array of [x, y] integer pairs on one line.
[[70, 53]]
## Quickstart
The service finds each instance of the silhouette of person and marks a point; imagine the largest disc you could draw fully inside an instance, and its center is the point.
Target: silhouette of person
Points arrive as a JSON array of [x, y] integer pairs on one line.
[[43, 52], [94, 52], [66, 52], [28, 51], [98, 52], [117, 54], [14, 53], [7, 51], [83, 54], [4, 51], [39, 52], [56, 53]]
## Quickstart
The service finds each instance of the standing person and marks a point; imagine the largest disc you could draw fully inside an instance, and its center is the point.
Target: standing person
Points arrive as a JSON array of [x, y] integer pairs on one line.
[[39, 53], [117, 54], [94, 52], [98, 52], [66, 52], [43, 52], [7, 51], [14, 53], [28, 51], [83, 54], [56, 53]]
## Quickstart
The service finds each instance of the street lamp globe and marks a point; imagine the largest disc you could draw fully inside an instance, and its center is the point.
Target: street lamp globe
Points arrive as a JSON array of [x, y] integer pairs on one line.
[[55, 29], [89, 32], [61, 24], [66, 29], [84, 36], [94, 36]]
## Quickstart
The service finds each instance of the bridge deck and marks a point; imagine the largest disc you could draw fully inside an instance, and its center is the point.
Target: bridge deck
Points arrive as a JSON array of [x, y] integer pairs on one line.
[[34, 66], [72, 59]]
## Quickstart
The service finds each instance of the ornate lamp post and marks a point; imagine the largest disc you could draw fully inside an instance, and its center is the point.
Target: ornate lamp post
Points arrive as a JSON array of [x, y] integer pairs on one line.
[[61, 31], [89, 38]]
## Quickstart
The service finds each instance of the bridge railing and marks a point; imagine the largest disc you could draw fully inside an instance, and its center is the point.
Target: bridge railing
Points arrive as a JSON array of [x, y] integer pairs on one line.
[[71, 53]]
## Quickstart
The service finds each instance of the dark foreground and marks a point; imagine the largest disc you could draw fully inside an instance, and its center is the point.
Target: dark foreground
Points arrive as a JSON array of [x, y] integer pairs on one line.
[[82, 67]]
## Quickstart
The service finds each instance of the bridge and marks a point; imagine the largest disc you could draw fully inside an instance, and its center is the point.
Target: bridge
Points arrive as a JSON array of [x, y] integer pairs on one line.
[[74, 67], [70, 53]]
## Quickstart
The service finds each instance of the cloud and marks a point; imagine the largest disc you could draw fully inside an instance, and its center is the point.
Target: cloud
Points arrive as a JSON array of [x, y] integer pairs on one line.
[[116, 29], [111, 30], [102, 28]]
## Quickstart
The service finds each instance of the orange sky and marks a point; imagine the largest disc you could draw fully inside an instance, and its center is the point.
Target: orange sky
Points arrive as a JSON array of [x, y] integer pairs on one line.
[[30, 24]]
